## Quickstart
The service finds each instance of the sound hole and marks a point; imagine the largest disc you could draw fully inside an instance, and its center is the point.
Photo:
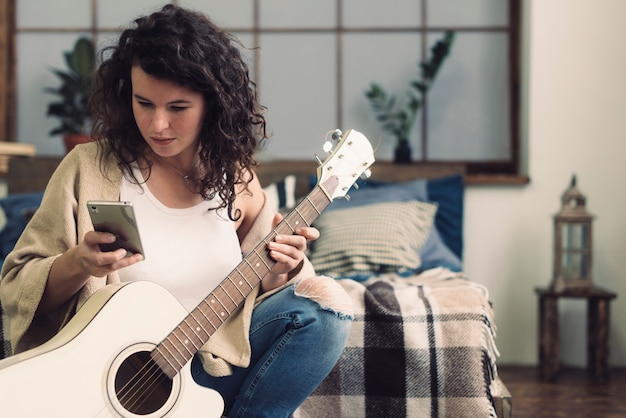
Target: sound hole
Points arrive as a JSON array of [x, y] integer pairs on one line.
[[140, 385]]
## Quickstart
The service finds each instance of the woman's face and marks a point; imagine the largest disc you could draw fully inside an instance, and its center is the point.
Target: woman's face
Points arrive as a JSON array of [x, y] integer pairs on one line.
[[169, 116]]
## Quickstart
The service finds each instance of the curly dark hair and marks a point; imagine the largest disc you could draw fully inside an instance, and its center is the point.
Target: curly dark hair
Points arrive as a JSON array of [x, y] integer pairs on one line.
[[187, 48]]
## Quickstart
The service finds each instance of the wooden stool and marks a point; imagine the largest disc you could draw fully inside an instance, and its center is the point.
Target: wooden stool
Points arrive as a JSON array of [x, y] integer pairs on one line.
[[597, 330]]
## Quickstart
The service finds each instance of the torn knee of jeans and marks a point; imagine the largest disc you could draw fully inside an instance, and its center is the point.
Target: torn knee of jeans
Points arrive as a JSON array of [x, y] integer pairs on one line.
[[327, 293]]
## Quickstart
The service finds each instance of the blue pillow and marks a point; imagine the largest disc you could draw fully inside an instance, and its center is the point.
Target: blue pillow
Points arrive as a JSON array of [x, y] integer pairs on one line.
[[17, 208], [444, 246]]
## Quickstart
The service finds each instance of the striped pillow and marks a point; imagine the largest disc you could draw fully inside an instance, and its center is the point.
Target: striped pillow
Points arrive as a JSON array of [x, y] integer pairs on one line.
[[377, 238]]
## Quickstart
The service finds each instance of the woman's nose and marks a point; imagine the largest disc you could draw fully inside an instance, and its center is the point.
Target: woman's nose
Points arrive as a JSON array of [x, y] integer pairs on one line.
[[160, 121]]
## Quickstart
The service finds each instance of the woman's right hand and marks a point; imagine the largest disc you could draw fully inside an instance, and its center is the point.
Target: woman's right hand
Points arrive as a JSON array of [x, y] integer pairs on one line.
[[98, 263], [71, 270]]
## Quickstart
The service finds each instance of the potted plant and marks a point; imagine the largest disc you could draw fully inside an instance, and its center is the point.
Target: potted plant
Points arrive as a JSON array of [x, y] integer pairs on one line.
[[72, 107], [398, 118]]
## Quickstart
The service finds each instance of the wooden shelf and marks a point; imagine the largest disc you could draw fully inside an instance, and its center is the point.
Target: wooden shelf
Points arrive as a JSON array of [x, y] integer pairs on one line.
[[13, 149]]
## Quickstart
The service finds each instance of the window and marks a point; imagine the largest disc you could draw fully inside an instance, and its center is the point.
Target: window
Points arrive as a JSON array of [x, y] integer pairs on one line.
[[313, 64]]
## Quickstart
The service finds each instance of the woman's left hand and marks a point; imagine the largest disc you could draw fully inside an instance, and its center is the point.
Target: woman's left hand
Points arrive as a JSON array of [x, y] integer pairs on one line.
[[288, 252]]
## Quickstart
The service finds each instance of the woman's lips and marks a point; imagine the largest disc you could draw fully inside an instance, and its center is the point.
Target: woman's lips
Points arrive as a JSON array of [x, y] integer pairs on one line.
[[162, 141]]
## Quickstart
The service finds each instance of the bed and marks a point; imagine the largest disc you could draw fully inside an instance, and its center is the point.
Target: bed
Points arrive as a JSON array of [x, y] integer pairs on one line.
[[423, 336]]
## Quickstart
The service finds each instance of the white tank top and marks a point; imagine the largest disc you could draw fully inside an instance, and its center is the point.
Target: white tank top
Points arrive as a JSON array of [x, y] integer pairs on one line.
[[187, 251]]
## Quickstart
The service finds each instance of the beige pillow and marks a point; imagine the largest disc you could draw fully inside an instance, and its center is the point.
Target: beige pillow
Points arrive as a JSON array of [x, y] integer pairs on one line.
[[376, 238]]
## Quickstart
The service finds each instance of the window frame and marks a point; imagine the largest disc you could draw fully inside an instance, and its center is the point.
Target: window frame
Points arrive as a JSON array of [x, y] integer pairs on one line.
[[506, 171]]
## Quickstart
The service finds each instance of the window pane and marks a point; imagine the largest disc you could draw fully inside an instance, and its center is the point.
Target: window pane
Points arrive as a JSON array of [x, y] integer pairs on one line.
[[298, 86], [299, 14], [45, 14], [230, 14], [122, 13], [464, 13], [377, 13], [468, 106]]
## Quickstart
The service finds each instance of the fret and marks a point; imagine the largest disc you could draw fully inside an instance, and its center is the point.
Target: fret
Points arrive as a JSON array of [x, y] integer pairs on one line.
[[162, 360], [172, 356], [220, 295], [252, 268], [181, 342], [227, 294], [301, 217], [207, 320], [243, 295], [218, 315], [263, 261], [192, 336], [286, 221], [200, 326], [244, 278], [225, 311], [284, 228], [318, 211], [206, 302]]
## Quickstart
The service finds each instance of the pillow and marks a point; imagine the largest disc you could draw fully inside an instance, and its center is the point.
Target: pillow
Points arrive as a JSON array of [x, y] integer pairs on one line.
[[282, 195], [361, 241], [18, 209], [444, 247]]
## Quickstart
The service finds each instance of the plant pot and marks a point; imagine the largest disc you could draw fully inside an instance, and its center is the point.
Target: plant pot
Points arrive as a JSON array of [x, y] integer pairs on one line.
[[402, 153], [71, 140]]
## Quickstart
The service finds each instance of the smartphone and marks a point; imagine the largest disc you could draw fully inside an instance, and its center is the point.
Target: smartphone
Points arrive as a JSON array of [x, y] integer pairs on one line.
[[118, 218]]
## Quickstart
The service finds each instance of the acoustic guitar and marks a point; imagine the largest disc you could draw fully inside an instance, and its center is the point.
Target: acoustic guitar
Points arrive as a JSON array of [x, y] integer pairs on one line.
[[126, 352]]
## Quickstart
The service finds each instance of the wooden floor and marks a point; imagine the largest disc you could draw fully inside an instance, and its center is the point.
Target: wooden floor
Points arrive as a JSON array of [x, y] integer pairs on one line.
[[572, 395]]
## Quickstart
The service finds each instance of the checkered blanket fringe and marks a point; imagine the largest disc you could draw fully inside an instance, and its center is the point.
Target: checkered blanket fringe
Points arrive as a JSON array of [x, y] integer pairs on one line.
[[421, 346]]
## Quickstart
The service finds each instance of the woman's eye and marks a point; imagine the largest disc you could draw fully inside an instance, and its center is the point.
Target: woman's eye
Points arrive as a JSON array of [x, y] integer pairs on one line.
[[178, 108], [144, 104]]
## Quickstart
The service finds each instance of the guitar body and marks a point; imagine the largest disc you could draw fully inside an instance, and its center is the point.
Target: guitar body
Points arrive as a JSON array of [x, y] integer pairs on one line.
[[87, 369]]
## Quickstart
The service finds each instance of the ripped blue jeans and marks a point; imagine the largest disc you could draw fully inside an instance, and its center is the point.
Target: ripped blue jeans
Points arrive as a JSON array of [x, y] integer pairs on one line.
[[297, 336]]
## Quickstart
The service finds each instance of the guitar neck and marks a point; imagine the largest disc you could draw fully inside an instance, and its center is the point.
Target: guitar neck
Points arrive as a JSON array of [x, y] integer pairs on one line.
[[196, 329]]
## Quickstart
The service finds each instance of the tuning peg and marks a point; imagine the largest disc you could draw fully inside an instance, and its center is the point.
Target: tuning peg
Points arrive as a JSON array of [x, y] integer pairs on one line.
[[327, 147], [366, 174], [337, 134], [356, 186], [319, 162]]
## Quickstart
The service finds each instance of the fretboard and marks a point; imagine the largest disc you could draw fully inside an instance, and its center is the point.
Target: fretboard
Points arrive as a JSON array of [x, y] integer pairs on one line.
[[196, 329]]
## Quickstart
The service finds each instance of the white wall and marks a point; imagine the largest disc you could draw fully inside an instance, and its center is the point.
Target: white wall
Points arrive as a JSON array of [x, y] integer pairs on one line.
[[575, 87]]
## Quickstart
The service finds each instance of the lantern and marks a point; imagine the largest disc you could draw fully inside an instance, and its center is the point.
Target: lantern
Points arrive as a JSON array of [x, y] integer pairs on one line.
[[572, 241]]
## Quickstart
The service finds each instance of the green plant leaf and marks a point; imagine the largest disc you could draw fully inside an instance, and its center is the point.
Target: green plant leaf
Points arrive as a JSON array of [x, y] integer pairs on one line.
[[83, 58], [71, 108]]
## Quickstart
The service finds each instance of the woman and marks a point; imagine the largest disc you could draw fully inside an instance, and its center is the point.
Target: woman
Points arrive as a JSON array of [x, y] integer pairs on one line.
[[181, 122]]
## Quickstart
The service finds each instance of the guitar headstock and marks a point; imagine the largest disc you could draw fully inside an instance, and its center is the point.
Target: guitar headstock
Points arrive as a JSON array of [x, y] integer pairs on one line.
[[350, 159]]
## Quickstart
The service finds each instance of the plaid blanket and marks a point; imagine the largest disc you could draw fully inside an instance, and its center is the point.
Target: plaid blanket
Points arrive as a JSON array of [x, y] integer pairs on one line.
[[421, 346]]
